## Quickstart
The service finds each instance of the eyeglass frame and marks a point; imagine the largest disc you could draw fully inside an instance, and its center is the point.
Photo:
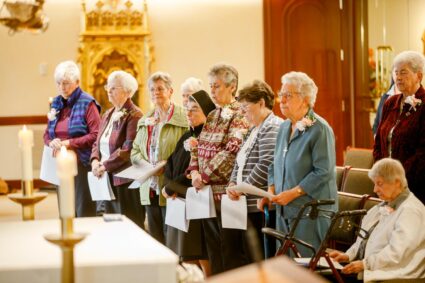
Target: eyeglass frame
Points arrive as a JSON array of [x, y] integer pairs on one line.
[[287, 94], [107, 88]]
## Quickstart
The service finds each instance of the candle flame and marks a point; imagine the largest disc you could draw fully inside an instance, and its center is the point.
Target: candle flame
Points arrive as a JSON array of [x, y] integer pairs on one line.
[[24, 128], [63, 151], [50, 99]]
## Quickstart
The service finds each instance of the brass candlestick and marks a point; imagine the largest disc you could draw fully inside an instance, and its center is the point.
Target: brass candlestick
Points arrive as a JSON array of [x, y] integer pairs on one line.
[[27, 199], [66, 241]]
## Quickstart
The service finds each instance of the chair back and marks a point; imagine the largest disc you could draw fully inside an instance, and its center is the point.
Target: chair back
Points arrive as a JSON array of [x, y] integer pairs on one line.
[[358, 157], [358, 182]]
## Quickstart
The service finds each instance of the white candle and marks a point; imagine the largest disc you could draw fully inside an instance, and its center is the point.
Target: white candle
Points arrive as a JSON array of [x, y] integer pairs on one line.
[[66, 168], [26, 142]]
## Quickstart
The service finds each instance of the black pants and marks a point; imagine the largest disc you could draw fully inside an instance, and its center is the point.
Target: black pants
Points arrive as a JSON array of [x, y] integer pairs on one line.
[[226, 247], [84, 206], [127, 202], [156, 219]]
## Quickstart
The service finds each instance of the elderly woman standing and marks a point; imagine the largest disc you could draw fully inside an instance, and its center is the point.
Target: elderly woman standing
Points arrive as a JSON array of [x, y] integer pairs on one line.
[[304, 161], [74, 122], [189, 246], [188, 87], [393, 242], [213, 161], [256, 154], [111, 151], [157, 135], [401, 133]]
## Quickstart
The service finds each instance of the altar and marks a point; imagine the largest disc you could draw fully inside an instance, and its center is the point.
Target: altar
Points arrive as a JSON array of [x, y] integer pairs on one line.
[[117, 251]]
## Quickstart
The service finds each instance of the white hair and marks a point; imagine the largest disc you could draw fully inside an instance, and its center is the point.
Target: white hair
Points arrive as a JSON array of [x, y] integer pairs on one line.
[[227, 73], [191, 85], [305, 85], [160, 76], [415, 60], [390, 170], [128, 82], [67, 70]]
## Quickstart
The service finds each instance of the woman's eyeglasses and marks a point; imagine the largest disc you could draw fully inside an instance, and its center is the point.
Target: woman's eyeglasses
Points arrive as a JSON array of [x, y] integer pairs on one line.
[[108, 88]]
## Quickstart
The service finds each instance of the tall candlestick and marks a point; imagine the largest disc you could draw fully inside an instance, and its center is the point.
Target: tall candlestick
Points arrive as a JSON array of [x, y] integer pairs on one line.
[[66, 169], [26, 142]]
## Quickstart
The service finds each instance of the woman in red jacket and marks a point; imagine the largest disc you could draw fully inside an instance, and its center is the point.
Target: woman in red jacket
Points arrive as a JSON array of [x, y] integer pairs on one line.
[[111, 151], [401, 133]]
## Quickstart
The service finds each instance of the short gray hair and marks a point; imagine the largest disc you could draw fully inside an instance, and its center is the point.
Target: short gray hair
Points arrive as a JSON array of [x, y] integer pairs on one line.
[[67, 70], [304, 84], [191, 85], [128, 82], [415, 60], [390, 170], [228, 74], [163, 76]]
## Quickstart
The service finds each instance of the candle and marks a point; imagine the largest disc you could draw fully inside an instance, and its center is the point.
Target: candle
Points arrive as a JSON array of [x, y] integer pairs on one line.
[[26, 142], [66, 168]]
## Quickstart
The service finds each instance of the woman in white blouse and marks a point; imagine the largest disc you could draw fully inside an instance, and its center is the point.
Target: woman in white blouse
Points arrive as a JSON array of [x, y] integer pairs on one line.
[[391, 244]]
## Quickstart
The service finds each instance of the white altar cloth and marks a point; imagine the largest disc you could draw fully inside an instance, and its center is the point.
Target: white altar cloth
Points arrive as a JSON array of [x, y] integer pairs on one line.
[[111, 252]]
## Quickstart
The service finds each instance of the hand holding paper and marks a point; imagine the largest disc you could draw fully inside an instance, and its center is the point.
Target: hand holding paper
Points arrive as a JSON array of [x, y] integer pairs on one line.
[[251, 190], [142, 171]]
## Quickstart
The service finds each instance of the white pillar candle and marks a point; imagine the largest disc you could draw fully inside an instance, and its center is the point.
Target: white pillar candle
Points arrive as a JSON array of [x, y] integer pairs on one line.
[[26, 142], [66, 168]]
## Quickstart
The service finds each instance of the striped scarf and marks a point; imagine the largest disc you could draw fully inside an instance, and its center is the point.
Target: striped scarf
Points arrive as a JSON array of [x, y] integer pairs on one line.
[[77, 126]]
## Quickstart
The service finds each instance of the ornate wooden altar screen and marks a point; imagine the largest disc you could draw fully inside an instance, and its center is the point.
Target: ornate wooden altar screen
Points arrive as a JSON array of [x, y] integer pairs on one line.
[[115, 35]]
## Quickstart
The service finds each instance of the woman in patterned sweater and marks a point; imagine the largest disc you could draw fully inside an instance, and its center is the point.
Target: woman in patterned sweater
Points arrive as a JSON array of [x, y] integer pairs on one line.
[[212, 164]]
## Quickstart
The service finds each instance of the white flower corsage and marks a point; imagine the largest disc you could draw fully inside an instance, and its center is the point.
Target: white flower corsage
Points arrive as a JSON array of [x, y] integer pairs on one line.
[[51, 115], [386, 210], [190, 144], [413, 101], [226, 113], [240, 134], [116, 116], [305, 123], [151, 121]]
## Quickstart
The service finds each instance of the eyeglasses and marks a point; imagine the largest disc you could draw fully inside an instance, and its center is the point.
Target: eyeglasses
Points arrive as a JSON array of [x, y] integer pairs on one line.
[[287, 94], [245, 106], [64, 83], [157, 89], [108, 88]]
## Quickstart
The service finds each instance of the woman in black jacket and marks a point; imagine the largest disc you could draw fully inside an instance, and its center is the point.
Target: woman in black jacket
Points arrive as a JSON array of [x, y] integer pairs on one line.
[[189, 246]]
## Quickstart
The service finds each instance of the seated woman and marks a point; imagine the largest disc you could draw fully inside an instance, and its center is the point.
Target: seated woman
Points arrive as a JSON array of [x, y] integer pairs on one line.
[[256, 154], [393, 246], [189, 246]]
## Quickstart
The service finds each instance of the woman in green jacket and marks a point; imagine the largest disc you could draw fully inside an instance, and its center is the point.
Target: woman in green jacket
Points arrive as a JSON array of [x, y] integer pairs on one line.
[[157, 135]]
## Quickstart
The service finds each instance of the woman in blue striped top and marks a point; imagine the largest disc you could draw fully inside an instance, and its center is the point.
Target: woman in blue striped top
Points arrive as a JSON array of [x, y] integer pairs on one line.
[[256, 154]]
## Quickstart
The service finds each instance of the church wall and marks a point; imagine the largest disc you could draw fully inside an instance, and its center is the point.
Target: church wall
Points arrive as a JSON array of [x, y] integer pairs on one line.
[[188, 37], [403, 21]]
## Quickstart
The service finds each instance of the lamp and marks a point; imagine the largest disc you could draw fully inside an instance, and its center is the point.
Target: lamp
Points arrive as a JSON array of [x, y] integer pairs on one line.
[[23, 15]]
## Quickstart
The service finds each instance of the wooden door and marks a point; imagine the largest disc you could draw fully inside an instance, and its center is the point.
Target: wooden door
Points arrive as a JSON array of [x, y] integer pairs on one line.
[[308, 36]]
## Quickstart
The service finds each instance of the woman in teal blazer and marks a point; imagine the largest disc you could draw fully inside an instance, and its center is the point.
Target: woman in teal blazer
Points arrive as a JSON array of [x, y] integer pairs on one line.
[[304, 161]]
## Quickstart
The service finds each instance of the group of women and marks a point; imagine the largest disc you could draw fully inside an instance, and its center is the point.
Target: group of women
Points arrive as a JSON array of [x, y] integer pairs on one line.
[[220, 140]]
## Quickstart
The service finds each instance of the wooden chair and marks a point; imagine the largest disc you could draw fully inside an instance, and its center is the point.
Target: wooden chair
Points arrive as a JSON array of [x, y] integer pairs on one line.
[[358, 157], [357, 181], [340, 172]]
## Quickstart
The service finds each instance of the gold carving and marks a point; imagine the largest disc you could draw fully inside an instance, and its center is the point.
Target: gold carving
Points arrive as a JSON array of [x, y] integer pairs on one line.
[[115, 36]]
